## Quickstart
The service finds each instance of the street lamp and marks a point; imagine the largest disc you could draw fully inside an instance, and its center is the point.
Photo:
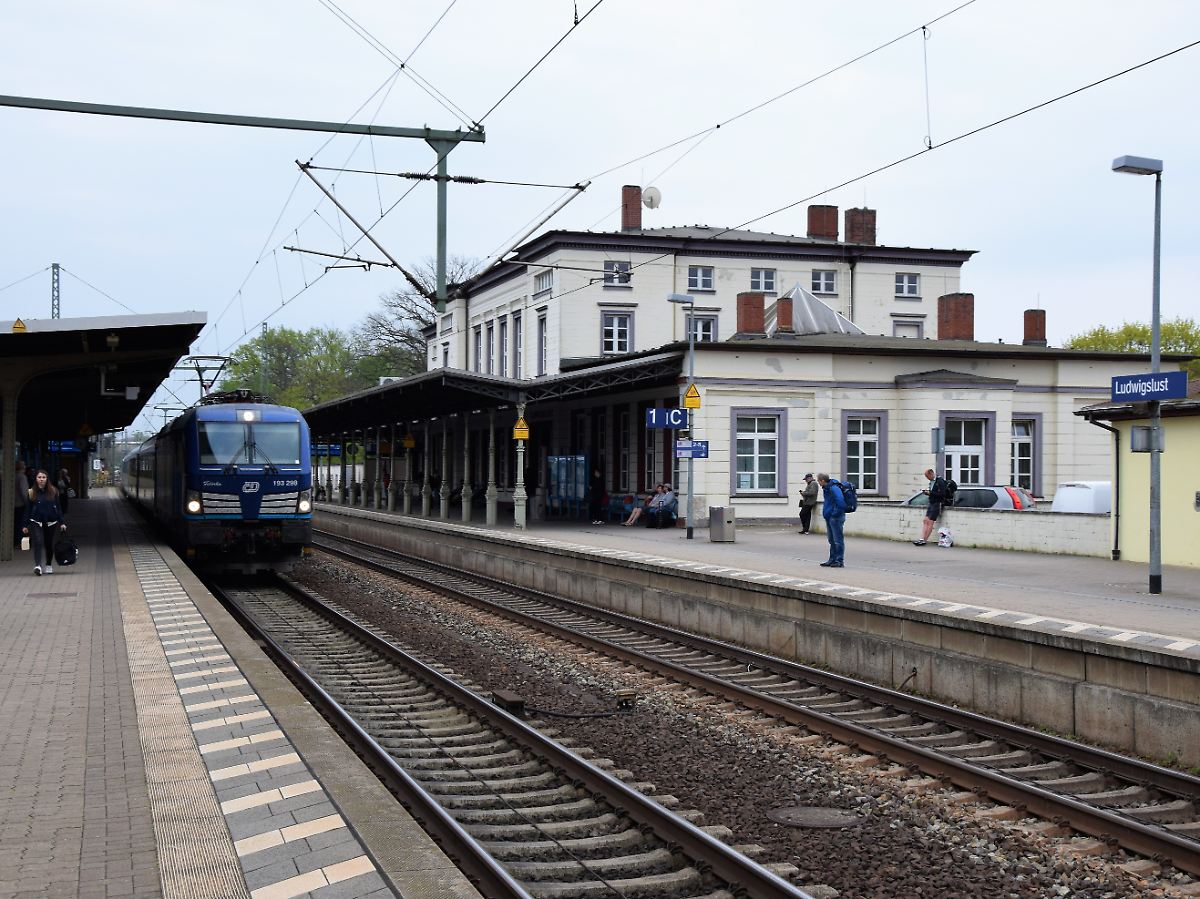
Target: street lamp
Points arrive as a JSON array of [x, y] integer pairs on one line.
[[690, 302], [1140, 165]]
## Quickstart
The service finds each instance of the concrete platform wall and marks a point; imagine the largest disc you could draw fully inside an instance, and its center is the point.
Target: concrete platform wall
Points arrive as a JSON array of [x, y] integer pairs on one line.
[[1040, 532], [1131, 699]]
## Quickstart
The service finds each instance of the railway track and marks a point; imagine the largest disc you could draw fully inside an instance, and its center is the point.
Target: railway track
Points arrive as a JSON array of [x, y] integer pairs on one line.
[[521, 814], [1141, 807]]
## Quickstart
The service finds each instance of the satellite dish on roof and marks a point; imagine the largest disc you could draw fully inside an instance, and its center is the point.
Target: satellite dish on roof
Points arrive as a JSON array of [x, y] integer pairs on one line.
[[651, 197]]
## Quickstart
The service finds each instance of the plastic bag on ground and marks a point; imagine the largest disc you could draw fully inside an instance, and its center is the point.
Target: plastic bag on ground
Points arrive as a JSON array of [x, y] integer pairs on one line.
[[945, 538]]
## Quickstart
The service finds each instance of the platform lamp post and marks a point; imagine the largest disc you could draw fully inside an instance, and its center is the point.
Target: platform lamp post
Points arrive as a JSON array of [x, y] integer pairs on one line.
[[690, 322], [1140, 165]]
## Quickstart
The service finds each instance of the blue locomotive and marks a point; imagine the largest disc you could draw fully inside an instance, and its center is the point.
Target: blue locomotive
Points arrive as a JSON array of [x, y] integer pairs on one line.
[[231, 481]]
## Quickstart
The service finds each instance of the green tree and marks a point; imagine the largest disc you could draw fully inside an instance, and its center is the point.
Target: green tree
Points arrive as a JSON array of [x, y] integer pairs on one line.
[[392, 339], [1179, 335], [299, 368]]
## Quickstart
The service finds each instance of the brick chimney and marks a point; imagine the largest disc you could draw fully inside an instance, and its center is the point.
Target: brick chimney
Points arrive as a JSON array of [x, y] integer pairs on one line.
[[784, 323], [1035, 327], [631, 207], [750, 318], [822, 222], [860, 226], [956, 316]]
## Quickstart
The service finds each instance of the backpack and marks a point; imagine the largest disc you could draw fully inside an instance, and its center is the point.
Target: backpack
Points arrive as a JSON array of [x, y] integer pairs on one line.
[[946, 495], [65, 551], [849, 494]]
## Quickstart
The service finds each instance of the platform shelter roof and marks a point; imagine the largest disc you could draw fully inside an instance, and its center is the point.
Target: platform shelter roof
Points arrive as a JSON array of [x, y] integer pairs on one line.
[[449, 391], [74, 377]]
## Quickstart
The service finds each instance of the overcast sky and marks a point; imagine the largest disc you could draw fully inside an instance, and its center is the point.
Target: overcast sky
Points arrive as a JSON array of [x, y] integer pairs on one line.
[[168, 217]]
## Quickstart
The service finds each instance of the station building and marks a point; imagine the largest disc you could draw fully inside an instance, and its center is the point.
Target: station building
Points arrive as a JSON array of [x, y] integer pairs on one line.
[[811, 354], [1130, 475]]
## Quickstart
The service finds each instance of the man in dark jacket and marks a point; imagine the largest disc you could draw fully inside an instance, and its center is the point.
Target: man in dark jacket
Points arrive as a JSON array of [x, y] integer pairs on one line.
[[808, 502], [937, 496], [834, 512]]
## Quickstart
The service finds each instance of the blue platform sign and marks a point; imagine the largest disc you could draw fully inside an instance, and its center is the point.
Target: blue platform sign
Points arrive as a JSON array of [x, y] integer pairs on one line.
[[691, 449], [327, 449], [667, 418], [1165, 385]]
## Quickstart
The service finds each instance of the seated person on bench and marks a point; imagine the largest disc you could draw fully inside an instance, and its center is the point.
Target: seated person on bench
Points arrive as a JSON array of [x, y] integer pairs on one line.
[[661, 513], [644, 507]]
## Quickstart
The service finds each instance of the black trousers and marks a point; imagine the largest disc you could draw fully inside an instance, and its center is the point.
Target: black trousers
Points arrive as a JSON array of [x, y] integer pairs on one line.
[[805, 517], [43, 535]]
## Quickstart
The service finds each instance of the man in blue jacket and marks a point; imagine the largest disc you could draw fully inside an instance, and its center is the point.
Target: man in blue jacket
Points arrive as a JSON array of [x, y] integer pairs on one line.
[[834, 512]]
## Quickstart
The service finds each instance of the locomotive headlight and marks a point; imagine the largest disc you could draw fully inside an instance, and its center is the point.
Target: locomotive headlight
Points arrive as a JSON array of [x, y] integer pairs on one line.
[[192, 503], [304, 503]]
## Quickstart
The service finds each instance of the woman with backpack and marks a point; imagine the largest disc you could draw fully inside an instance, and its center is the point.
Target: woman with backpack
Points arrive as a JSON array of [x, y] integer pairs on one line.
[[43, 521]]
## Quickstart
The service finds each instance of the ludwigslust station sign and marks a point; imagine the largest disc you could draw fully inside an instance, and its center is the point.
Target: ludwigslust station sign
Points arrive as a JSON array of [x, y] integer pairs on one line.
[[1166, 385]]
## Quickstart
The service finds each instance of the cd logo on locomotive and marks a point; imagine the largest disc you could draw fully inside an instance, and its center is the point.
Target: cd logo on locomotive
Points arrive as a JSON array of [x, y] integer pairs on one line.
[[250, 487]]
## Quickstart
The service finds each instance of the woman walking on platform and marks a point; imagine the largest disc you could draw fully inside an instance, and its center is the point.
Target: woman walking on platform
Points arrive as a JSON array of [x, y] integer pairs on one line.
[[43, 521]]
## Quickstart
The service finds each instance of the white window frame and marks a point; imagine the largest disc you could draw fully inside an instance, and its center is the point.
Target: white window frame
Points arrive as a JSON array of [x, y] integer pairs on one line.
[[908, 284], [764, 452], [479, 348], [700, 277], [624, 436], [966, 460], [899, 324], [503, 348], [491, 347], [705, 325], [616, 333], [824, 280], [445, 355], [1022, 452], [762, 279], [518, 344], [543, 281], [616, 274], [543, 338], [863, 446]]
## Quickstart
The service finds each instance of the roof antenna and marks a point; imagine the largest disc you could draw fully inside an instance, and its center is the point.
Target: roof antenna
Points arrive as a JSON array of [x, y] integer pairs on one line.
[[576, 13]]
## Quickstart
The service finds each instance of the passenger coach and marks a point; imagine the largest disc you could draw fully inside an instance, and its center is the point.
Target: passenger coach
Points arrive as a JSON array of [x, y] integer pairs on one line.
[[231, 480]]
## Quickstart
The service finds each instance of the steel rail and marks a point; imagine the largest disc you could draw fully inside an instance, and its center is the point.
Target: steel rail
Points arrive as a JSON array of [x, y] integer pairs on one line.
[[1109, 826], [708, 852], [475, 862]]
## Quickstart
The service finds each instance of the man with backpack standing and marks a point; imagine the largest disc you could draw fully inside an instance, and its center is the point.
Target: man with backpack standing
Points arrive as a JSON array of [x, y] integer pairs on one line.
[[940, 494], [833, 510]]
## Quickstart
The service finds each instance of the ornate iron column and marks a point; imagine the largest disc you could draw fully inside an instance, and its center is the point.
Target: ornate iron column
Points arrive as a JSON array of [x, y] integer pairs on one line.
[[426, 493], [391, 490], [491, 470], [520, 498], [467, 489]]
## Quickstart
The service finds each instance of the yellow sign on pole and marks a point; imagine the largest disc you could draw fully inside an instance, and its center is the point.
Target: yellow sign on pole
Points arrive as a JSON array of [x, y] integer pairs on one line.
[[691, 398], [521, 430]]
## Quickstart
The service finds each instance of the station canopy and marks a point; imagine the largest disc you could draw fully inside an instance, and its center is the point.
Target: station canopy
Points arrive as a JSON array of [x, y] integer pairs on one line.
[[448, 391], [82, 376]]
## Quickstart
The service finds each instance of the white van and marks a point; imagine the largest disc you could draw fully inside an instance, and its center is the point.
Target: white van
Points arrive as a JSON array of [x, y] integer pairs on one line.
[[1093, 497]]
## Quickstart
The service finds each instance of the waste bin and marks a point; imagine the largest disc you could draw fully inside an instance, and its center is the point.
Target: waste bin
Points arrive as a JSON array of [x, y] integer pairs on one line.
[[722, 524]]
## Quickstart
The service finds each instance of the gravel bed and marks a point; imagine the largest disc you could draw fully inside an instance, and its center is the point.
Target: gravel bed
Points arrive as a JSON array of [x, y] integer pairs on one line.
[[907, 844]]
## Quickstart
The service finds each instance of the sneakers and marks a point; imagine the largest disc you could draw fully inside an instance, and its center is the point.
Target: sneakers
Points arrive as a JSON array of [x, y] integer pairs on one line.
[[832, 565], [37, 569], [918, 543]]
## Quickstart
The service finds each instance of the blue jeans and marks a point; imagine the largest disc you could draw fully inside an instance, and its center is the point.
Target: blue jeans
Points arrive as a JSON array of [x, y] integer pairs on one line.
[[835, 525]]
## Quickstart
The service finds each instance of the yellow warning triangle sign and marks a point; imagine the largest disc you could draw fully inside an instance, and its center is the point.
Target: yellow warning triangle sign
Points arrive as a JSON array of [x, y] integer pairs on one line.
[[691, 397], [18, 327]]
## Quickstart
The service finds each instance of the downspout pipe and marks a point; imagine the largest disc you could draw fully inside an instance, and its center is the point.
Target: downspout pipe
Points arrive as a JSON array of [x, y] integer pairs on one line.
[[1116, 548]]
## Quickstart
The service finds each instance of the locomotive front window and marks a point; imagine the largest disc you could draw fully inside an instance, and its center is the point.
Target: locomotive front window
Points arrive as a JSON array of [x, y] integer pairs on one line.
[[258, 443], [222, 442], [277, 443]]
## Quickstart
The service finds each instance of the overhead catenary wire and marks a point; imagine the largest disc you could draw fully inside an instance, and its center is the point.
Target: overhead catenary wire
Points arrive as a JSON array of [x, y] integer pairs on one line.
[[787, 93], [911, 156], [26, 278], [97, 289]]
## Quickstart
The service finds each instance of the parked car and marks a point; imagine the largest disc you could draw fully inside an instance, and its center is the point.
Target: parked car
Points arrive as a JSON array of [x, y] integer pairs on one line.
[[1094, 497], [975, 497]]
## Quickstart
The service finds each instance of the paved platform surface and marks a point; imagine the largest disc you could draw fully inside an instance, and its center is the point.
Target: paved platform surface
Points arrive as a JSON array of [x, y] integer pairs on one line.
[[148, 747], [1086, 598]]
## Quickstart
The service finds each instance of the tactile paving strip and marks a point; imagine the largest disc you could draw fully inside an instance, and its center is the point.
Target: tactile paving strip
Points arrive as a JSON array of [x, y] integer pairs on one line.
[[236, 811]]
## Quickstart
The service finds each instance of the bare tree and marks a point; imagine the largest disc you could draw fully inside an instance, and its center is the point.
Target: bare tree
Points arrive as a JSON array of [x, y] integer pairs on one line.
[[394, 333]]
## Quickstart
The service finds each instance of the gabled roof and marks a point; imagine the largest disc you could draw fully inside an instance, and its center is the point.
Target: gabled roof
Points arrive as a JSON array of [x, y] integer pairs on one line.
[[812, 316]]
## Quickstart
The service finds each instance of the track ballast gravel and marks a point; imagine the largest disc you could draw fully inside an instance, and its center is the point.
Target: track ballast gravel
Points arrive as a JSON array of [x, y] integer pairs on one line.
[[907, 844]]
